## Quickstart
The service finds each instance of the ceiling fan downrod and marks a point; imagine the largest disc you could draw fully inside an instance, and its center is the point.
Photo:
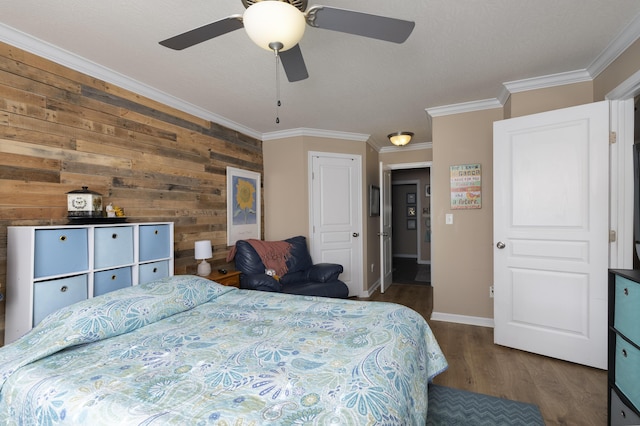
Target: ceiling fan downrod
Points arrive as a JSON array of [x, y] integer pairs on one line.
[[276, 46]]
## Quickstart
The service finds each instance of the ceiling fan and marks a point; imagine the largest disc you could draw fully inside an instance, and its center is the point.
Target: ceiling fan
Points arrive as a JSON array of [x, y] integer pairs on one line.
[[278, 25]]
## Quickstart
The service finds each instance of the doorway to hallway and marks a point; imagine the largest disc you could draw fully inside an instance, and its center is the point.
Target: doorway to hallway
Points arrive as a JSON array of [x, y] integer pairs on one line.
[[411, 225]]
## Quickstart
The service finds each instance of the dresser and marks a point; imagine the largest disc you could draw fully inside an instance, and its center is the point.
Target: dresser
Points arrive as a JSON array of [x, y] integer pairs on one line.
[[624, 347], [49, 267]]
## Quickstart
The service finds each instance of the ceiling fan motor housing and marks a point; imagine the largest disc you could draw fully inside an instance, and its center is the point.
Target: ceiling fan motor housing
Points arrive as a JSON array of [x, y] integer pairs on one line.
[[301, 5]]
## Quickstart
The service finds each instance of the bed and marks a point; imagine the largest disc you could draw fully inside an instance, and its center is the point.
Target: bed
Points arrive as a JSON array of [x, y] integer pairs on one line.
[[186, 350]]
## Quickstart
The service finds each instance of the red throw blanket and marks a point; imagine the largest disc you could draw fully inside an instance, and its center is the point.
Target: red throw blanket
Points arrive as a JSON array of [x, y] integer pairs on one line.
[[274, 254]]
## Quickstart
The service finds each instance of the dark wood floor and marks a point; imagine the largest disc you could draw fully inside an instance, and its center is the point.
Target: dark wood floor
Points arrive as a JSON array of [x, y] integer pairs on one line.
[[405, 270], [567, 394]]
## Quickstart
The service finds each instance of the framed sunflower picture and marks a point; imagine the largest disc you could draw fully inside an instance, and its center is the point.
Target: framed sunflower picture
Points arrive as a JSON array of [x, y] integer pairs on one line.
[[243, 205]]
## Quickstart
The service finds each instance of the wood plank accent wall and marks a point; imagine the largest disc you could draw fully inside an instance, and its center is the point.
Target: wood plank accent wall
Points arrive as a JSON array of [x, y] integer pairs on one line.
[[61, 130]]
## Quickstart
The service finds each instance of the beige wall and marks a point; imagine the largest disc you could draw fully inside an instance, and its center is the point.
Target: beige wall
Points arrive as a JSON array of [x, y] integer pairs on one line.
[[286, 190], [407, 155], [285, 193], [462, 254], [627, 64], [462, 262], [534, 101]]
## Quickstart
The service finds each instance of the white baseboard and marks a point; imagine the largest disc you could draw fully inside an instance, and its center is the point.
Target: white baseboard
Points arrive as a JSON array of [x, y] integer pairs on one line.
[[372, 289], [462, 319]]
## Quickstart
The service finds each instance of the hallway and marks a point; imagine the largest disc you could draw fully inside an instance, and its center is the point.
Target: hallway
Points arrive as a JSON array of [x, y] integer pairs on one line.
[[408, 271]]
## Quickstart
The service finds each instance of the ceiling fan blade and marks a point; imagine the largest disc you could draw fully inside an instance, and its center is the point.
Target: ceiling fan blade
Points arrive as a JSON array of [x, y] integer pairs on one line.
[[204, 33], [358, 23], [293, 64]]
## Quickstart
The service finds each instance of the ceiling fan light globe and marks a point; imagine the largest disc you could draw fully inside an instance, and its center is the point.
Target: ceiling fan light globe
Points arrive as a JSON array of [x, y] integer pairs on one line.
[[271, 21]]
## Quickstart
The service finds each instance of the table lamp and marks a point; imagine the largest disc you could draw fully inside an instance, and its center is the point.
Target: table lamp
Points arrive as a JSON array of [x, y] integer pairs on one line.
[[203, 251]]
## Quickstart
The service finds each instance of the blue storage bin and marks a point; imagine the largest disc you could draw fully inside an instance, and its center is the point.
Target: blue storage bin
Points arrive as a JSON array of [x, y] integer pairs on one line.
[[60, 251], [110, 280], [627, 315], [154, 242], [49, 296], [113, 246], [627, 374], [153, 271]]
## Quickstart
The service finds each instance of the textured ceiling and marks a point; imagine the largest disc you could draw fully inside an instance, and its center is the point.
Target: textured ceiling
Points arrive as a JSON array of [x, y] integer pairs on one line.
[[460, 51]]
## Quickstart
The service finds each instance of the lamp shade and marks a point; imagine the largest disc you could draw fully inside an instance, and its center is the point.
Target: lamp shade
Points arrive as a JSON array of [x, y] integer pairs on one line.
[[270, 21], [400, 138], [203, 249]]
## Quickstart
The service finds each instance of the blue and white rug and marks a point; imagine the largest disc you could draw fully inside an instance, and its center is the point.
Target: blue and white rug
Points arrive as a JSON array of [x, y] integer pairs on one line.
[[454, 407]]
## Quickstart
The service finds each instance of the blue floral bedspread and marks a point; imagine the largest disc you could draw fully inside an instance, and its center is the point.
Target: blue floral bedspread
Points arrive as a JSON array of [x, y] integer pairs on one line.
[[186, 351]]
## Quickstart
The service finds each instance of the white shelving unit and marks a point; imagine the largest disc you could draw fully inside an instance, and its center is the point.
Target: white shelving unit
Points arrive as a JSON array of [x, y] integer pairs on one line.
[[49, 267]]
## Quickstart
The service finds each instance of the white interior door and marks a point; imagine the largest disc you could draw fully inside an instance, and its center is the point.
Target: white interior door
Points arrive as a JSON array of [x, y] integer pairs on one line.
[[551, 233], [386, 248], [336, 215]]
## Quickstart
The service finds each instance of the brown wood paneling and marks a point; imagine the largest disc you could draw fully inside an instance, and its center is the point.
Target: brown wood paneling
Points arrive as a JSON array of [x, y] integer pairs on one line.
[[61, 129]]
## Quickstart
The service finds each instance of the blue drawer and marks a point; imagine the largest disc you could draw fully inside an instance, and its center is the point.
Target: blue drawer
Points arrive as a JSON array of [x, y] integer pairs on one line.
[[60, 251], [49, 296], [153, 271], [627, 314], [627, 376], [113, 246], [113, 279], [154, 242]]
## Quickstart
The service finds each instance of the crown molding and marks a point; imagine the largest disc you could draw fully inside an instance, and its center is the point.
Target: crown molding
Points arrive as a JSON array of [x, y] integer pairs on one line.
[[71, 60], [618, 45], [319, 133], [464, 107], [627, 36], [545, 81], [510, 88]]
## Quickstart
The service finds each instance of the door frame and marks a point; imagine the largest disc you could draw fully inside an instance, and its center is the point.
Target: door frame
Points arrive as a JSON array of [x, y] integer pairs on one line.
[[385, 233], [621, 185], [402, 166]]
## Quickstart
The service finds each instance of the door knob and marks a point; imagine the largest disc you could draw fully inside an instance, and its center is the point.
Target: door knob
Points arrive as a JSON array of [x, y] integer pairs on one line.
[[500, 245], [355, 234]]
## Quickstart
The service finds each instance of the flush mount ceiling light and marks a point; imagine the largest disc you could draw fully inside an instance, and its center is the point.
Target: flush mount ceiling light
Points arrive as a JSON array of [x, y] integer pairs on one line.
[[274, 25], [400, 138]]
